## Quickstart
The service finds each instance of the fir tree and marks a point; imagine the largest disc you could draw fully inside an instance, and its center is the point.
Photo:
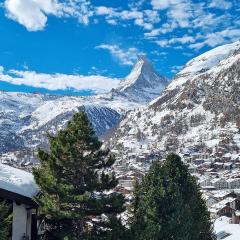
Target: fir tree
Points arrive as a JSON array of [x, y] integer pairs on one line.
[[5, 220], [170, 205], [134, 203], [75, 177]]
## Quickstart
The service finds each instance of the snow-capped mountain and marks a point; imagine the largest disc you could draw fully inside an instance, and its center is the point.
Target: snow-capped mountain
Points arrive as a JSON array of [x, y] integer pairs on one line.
[[143, 83], [198, 112], [26, 117]]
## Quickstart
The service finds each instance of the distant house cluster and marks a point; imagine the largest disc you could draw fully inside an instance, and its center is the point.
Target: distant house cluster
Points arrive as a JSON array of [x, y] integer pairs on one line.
[[223, 203]]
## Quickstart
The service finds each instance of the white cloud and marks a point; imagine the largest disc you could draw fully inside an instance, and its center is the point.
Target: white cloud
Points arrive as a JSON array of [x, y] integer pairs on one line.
[[152, 16], [96, 83], [32, 13], [199, 24], [155, 32], [173, 42], [165, 28], [176, 69], [102, 10], [111, 21], [144, 19], [189, 15], [217, 38], [181, 14], [183, 40], [140, 22], [162, 43], [158, 53], [163, 4], [208, 20], [131, 14], [162, 20], [221, 4], [178, 12], [211, 40], [124, 56]]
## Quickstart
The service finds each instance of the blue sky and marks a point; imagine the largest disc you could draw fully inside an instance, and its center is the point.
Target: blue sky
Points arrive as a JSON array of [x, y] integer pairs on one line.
[[82, 47]]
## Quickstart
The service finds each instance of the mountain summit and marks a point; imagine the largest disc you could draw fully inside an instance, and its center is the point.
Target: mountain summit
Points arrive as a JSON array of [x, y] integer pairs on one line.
[[143, 84]]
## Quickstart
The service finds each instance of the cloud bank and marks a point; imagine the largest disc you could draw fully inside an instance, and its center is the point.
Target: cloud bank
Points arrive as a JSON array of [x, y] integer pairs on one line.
[[33, 14], [123, 56], [94, 83]]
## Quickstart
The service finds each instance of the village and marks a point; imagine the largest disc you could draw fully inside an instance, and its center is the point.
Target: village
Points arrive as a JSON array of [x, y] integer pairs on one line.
[[218, 178]]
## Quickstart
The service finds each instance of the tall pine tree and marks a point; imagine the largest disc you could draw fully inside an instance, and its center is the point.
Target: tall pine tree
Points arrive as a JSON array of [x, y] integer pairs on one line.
[[76, 180], [170, 206]]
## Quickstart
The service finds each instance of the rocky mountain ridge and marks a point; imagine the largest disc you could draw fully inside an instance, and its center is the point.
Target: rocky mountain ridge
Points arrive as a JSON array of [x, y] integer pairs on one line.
[[143, 84], [198, 113]]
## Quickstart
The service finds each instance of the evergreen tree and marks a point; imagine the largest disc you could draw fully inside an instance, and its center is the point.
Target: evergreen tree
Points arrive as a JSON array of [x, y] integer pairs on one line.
[[76, 180], [134, 203], [170, 205], [5, 220]]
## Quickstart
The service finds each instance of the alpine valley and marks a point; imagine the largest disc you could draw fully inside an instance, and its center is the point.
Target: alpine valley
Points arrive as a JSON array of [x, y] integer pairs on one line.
[[25, 118], [197, 114]]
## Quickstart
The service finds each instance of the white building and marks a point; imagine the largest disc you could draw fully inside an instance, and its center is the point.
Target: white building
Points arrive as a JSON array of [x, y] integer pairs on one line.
[[233, 183], [219, 183], [209, 199], [19, 187], [205, 181]]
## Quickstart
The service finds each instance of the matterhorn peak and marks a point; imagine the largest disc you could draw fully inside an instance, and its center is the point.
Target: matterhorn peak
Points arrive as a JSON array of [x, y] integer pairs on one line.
[[142, 57], [143, 83]]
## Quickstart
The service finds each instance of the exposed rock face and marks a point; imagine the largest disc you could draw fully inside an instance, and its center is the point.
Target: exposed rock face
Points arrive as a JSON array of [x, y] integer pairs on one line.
[[143, 83]]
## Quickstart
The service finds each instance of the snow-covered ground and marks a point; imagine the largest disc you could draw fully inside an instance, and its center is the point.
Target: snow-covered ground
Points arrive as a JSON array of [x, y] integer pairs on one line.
[[222, 227]]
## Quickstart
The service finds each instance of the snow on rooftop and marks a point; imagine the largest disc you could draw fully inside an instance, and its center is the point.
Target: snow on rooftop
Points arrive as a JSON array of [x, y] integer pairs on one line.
[[222, 224], [221, 193], [17, 181], [223, 203]]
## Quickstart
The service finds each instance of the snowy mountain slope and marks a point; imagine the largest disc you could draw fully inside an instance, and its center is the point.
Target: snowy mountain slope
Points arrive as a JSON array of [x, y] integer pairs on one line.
[[53, 115], [198, 111], [25, 117], [203, 63], [15, 111]]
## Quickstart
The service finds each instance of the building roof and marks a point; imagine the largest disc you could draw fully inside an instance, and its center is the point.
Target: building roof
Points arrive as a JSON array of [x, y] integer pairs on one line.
[[223, 224], [17, 181], [223, 203]]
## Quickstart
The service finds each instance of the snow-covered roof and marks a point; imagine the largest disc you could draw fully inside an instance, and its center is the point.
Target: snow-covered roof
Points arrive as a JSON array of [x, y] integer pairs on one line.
[[221, 194], [17, 181], [223, 203], [223, 224]]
